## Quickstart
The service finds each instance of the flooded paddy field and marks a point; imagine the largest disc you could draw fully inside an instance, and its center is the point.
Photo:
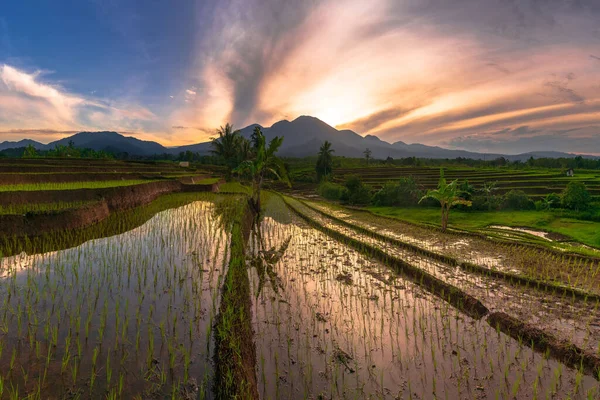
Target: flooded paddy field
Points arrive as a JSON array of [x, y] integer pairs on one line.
[[573, 320], [118, 317], [136, 316], [333, 323], [565, 269]]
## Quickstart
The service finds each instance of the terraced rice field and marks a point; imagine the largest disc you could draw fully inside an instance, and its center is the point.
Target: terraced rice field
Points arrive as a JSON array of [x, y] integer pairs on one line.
[[534, 183], [185, 298]]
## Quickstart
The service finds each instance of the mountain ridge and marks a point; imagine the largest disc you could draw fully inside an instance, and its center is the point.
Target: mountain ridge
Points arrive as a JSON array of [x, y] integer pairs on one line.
[[303, 137]]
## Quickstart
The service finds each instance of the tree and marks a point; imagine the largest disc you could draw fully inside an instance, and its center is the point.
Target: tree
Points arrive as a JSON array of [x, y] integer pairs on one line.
[[576, 196], [227, 146], [367, 154], [488, 190], [448, 196], [29, 152], [404, 193], [356, 193], [517, 200], [263, 163], [324, 166]]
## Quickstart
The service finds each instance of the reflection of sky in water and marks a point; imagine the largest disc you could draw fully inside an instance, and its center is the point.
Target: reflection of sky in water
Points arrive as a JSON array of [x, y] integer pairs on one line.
[[166, 272], [348, 327], [540, 234], [538, 307]]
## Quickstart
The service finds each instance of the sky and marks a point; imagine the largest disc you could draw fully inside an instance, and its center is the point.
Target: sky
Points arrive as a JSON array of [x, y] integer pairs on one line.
[[506, 76]]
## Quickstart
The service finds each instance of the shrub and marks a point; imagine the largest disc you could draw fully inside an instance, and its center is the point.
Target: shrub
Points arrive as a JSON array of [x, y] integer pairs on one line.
[[576, 197], [402, 194], [330, 191], [356, 193], [517, 200], [486, 202], [552, 200]]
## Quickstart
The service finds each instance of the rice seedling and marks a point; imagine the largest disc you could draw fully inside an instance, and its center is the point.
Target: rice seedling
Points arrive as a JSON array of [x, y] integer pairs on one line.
[[374, 334], [71, 309]]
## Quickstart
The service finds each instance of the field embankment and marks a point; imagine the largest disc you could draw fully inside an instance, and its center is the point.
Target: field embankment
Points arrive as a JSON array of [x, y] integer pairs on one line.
[[102, 202], [235, 356]]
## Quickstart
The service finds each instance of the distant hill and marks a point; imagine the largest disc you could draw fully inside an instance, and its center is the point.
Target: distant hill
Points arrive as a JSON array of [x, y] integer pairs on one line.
[[21, 143], [303, 137]]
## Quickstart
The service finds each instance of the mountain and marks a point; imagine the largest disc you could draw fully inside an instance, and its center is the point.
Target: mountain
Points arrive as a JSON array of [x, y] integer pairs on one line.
[[112, 141], [303, 137], [21, 143]]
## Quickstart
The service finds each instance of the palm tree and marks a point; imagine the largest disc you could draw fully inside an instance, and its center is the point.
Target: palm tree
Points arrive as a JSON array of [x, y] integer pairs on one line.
[[324, 161], [227, 146], [367, 154], [488, 189], [265, 162], [448, 196]]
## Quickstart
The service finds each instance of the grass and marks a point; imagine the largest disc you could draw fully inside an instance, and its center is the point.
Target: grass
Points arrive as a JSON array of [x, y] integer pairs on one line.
[[585, 232], [234, 187], [28, 187], [207, 181], [21, 209]]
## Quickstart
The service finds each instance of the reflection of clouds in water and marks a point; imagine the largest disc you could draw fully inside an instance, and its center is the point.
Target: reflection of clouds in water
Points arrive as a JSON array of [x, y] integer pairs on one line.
[[164, 229]]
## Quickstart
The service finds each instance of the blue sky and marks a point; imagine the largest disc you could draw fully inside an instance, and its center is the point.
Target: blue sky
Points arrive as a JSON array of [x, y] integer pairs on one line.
[[485, 75]]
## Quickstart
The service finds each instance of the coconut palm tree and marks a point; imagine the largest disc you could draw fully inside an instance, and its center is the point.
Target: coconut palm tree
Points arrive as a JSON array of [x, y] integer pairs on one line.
[[264, 163], [488, 190], [324, 160], [367, 154], [227, 146], [448, 196]]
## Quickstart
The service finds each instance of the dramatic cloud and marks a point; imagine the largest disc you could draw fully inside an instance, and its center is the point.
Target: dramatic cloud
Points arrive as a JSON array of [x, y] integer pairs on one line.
[[28, 105], [412, 70], [464, 73]]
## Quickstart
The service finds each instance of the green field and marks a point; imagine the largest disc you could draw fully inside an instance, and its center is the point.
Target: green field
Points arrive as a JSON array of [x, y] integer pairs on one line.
[[535, 182], [586, 232], [20, 209], [71, 185]]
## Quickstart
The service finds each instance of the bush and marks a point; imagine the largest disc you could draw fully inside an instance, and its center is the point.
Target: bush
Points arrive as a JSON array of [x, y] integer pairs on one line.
[[330, 191], [486, 203], [402, 194], [518, 200], [552, 200], [356, 193], [576, 197]]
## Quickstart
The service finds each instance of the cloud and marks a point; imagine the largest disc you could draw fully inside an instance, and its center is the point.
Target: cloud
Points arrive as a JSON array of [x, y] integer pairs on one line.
[[28, 103], [374, 120], [418, 71], [584, 140]]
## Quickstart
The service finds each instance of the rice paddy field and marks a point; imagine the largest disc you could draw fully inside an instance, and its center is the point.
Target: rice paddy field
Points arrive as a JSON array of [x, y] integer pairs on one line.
[[536, 183], [190, 296]]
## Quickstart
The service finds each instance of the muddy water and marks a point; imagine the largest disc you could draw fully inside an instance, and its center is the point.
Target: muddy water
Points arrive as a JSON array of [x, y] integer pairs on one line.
[[576, 321], [330, 322], [126, 315], [533, 232], [531, 262]]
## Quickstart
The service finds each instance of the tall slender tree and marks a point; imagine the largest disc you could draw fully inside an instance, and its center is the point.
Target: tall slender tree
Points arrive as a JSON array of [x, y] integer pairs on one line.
[[264, 163], [324, 165], [227, 146], [367, 154]]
